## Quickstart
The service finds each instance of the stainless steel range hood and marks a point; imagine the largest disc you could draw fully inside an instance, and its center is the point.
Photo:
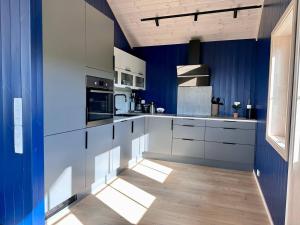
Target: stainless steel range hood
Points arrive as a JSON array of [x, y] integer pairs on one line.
[[194, 74]]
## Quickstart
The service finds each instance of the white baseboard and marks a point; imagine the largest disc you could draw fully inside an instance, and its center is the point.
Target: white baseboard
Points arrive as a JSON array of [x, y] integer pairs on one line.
[[263, 198]]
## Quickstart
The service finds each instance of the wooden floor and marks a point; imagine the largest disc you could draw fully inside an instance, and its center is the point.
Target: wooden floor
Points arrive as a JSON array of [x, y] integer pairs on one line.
[[166, 193]]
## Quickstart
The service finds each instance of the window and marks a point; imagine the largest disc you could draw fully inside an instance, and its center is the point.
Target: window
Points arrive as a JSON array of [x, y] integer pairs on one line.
[[280, 82]]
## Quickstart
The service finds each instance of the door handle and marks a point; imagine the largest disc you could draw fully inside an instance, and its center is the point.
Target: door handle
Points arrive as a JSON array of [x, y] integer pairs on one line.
[[86, 140], [185, 125], [228, 143], [187, 139], [113, 132], [132, 126]]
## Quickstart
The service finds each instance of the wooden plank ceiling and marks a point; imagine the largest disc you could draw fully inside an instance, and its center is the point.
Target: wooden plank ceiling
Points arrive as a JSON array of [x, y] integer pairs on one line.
[[211, 27]]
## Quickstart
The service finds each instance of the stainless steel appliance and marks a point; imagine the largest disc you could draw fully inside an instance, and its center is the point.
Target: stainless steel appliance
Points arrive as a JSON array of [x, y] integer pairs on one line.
[[99, 101]]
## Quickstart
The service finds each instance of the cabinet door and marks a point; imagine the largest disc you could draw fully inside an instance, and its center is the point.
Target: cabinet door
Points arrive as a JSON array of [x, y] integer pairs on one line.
[[122, 139], [115, 156], [63, 56], [97, 154], [99, 40], [140, 67], [188, 147], [64, 156], [159, 131], [138, 138]]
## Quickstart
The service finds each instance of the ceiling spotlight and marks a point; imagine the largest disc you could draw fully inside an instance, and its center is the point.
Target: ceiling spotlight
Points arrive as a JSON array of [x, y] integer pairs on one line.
[[235, 13], [157, 22], [196, 17]]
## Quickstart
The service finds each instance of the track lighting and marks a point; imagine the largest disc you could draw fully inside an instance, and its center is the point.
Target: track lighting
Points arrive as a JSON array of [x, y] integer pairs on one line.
[[196, 14], [196, 17], [157, 22], [235, 14]]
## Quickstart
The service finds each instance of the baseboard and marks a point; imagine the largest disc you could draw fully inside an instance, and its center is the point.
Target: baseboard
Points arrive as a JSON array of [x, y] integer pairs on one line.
[[263, 198]]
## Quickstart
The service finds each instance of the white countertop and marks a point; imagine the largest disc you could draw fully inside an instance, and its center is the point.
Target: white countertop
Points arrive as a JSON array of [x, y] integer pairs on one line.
[[124, 118]]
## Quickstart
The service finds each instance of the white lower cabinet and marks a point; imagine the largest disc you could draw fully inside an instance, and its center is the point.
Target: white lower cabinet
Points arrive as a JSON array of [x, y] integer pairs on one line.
[[159, 131], [99, 145], [64, 160]]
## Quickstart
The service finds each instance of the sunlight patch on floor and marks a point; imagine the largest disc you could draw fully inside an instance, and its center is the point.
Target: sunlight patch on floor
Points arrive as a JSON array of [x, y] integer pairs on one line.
[[153, 170], [133, 192], [156, 166], [64, 217], [121, 204]]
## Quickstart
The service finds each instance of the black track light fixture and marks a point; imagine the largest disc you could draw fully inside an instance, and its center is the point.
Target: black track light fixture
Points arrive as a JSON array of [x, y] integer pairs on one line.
[[235, 13], [196, 17], [157, 22], [196, 14]]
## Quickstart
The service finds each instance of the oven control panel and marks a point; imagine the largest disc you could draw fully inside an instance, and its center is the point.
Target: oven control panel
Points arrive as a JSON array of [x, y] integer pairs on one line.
[[99, 83]]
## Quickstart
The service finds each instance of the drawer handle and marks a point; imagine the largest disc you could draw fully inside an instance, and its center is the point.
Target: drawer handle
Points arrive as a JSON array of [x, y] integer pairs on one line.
[[185, 125], [229, 143], [229, 128], [226, 121], [187, 139]]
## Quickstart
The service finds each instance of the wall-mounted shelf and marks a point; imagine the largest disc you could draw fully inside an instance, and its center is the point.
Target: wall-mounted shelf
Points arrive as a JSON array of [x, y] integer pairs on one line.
[[280, 82]]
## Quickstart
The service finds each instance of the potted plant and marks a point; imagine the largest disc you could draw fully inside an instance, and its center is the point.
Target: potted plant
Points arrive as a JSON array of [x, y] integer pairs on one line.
[[236, 106]]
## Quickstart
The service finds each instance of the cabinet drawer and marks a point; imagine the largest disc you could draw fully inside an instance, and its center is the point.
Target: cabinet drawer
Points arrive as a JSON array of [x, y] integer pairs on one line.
[[190, 148], [230, 135], [229, 152], [192, 122], [189, 132], [231, 124]]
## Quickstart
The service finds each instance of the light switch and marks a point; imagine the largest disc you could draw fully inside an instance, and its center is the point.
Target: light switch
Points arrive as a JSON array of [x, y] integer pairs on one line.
[[18, 125]]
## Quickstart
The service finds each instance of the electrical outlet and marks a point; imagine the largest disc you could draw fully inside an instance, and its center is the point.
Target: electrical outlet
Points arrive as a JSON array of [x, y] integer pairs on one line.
[[257, 173]]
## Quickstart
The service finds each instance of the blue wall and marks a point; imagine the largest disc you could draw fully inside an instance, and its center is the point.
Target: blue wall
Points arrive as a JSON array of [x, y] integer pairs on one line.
[[232, 65], [274, 170], [120, 39], [22, 194]]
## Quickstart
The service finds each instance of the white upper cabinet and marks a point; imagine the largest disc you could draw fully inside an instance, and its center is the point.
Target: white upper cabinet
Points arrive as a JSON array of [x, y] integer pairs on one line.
[[130, 70], [63, 65], [280, 82], [99, 40]]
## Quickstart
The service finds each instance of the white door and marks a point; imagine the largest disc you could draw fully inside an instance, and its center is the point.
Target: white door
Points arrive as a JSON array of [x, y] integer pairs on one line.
[[293, 196]]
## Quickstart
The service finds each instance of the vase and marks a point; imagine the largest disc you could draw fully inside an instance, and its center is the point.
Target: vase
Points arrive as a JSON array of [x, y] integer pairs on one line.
[[235, 115]]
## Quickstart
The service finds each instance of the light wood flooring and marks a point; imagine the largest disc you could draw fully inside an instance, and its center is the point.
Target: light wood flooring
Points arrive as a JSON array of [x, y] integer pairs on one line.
[[167, 193]]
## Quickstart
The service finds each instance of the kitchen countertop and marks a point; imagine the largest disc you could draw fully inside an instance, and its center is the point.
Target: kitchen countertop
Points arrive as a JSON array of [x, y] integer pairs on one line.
[[140, 115]]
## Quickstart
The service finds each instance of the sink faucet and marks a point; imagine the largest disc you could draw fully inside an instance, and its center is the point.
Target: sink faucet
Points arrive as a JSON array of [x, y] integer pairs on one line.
[[115, 108]]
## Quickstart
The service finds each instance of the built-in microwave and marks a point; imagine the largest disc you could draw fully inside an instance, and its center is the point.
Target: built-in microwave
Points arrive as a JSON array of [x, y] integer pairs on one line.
[[99, 101]]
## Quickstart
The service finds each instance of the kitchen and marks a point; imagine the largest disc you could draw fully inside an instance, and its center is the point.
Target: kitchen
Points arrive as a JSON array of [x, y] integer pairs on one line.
[[149, 112]]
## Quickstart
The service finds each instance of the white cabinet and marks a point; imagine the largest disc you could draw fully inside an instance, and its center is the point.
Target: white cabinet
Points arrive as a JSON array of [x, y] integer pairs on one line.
[[115, 156], [63, 65], [64, 157], [138, 139], [99, 40], [159, 131], [130, 70], [122, 141], [99, 144]]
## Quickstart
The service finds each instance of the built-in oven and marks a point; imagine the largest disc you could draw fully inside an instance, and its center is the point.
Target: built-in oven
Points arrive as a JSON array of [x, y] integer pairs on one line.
[[99, 101]]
